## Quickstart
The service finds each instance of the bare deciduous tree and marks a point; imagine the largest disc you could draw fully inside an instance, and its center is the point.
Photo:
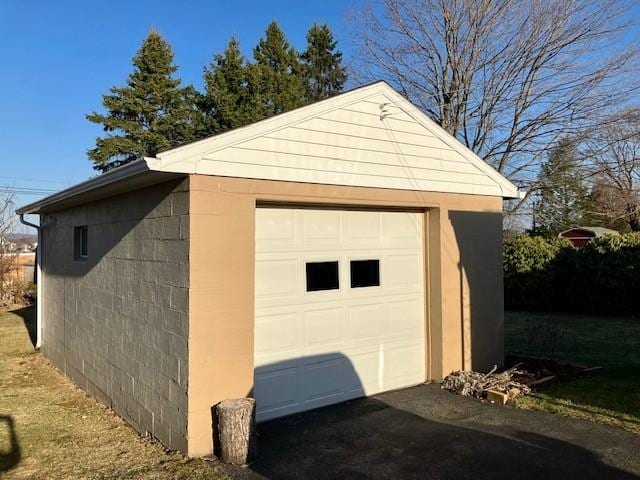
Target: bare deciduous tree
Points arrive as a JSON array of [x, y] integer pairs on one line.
[[614, 163], [506, 77], [8, 257]]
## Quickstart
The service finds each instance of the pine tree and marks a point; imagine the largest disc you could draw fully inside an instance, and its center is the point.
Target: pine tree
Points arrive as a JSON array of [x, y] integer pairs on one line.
[[563, 198], [277, 73], [150, 114], [325, 74], [228, 101]]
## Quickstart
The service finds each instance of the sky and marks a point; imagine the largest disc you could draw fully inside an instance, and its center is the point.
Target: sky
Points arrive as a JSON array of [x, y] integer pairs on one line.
[[58, 58]]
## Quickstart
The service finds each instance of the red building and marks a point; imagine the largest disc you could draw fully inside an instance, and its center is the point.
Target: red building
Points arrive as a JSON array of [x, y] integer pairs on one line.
[[579, 236]]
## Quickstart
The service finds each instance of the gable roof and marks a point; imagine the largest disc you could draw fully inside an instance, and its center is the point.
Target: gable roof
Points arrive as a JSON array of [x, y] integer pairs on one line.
[[370, 137], [597, 231]]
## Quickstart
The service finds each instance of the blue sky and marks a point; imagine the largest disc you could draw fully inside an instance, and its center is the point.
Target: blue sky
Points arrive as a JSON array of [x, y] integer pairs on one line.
[[58, 58]]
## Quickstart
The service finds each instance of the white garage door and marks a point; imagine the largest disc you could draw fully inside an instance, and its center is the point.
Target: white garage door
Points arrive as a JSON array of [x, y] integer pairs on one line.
[[339, 306]]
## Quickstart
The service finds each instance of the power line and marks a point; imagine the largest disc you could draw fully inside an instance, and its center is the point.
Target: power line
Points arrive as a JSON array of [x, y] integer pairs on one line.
[[35, 180], [25, 190]]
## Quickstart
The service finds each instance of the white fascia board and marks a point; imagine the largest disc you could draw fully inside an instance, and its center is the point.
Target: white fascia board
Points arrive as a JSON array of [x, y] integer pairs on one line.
[[128, 177], [112, 176]]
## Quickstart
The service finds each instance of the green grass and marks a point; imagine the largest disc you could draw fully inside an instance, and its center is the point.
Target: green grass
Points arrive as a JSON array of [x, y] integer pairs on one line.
[[61, 433], [611, 396]]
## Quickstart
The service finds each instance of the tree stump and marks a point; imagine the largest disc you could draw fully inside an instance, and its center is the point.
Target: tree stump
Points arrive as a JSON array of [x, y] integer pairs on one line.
[[236, 430]]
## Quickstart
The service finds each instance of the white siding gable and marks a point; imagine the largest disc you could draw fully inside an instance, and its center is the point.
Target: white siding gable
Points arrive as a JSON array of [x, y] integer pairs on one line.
[[369, 137]]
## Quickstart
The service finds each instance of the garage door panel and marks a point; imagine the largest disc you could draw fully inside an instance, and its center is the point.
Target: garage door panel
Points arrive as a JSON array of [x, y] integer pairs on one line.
[[276, 226], [277, 391], [364, 371], [403, 271], [368, 321], [321, 226], [406, 318], [326, 346], [387, 293], [276, 278], [403, 363], [277, 333], [364, 228], [324, 327], [322, 377], [402, 228]]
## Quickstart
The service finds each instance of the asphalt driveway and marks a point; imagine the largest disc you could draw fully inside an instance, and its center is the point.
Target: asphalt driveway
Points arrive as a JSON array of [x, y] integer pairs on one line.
[[425, 432]]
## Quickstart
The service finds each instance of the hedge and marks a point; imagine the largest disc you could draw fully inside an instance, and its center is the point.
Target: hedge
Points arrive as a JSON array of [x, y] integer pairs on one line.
[[549, 274]]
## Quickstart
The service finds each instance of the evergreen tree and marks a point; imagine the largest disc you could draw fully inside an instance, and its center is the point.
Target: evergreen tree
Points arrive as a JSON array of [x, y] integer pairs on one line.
[[150, 114], [229, 100], [325, 74], [277, 73], [563, 198]]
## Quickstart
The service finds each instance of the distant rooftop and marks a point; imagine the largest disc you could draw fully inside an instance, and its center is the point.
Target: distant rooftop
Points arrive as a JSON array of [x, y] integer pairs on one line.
[[597, 231]]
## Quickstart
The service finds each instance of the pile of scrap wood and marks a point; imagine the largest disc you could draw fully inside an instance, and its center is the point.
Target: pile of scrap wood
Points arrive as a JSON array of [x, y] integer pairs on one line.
[[482, 385]]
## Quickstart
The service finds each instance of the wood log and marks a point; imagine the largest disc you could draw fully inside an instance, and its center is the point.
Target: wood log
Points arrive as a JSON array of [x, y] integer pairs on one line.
[[590, 370], [542, 380], [236, 430]]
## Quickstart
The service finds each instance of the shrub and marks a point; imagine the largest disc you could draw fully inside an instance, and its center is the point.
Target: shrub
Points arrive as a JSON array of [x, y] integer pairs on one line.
[[545, 274], [11, 292], [531, 271]]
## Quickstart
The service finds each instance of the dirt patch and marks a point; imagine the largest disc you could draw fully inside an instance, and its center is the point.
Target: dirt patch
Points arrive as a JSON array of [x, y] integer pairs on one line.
[[538, 372]]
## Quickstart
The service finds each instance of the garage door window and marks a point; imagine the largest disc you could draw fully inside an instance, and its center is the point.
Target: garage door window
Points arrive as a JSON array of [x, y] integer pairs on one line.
[[322, 276], [365, 273]]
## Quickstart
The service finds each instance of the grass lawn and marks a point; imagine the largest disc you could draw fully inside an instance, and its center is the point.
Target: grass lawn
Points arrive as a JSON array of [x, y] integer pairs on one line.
[[611, 396], [50, 429]]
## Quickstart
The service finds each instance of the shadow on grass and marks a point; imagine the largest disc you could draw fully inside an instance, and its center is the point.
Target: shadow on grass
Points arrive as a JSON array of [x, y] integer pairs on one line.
[[28, 316], [11, 457], [611, 342]]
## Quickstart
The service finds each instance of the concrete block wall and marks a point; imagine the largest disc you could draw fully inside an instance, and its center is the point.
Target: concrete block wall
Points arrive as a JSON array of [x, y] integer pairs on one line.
[[117, 322]]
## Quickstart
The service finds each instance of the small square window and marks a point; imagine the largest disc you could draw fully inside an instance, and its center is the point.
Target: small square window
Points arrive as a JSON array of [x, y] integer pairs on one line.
[[365, 273], [80, 242], [322, 276]]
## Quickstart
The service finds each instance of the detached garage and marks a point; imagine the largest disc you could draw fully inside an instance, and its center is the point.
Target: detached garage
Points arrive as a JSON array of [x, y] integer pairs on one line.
[[335, 251]]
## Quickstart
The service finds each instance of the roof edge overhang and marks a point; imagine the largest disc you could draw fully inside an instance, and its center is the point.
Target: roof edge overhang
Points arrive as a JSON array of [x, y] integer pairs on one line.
[[134, 175], [181, 161]]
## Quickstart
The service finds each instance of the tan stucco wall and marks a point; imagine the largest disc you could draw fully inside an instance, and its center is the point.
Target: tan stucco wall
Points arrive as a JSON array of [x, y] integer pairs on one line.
[[464, 287]]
